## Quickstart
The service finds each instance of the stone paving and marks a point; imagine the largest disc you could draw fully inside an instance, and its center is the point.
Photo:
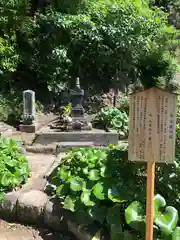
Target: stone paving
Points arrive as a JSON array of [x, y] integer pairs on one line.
[[11, 231]]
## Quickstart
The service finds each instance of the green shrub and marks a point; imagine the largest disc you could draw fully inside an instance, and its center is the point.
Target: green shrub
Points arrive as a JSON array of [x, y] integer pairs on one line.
[[14, 166], [102, 185], [113, 119], [124, 104], [10, 108]]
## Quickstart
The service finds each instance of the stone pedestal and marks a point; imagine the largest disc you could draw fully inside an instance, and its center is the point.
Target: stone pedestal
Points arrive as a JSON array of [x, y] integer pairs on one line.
[[79, 124], [27, 128], [79, 121]]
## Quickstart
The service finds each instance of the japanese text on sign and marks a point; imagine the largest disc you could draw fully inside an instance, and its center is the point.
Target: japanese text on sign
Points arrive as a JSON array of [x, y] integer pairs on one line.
[[152, 126]]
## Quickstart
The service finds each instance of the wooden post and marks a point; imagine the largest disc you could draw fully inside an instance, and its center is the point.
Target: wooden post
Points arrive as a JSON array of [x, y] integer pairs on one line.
[[150, 199]]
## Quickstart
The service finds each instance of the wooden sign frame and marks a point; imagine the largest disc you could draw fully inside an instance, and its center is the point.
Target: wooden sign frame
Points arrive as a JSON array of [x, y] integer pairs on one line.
[[152, 136], [152, 126]]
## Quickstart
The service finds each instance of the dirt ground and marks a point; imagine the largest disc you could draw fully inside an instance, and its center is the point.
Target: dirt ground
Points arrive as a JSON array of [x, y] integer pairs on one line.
[[12, 231]]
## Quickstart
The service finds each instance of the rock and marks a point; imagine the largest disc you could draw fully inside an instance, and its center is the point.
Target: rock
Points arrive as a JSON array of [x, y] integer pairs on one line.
[[30, 206], [22, 150], [8, 206], [53, 216]]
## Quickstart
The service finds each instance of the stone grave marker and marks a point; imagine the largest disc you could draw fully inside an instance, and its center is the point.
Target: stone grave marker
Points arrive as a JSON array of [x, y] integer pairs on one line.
[[29, 112], [29, 105]]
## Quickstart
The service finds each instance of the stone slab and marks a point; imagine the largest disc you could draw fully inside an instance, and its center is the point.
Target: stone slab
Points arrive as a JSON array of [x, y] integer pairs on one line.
[[6, 132], [39, 164], [28, 128], [56, 148], [98, 138], [64, 146]]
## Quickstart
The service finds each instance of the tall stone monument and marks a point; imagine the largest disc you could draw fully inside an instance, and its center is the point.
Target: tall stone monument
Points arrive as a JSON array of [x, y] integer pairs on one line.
[[29, 114], [79, 120]]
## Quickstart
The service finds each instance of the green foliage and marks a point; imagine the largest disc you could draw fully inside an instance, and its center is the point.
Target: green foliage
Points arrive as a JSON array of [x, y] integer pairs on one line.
[[12, 14], [14, 166], [10, 108], [102, 184], [45, 45], [113, 119], [124, 103], [8, 59], [102, 42], [172, 7], [67, 110], [69, 7]]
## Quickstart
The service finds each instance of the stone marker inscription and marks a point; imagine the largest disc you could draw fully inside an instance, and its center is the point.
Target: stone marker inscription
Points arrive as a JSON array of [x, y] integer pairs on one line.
[[152, 126]]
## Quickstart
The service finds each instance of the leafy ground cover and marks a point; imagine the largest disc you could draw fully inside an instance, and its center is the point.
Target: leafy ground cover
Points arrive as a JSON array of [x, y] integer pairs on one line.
[[14, 168], [113, 119], [101, 185]]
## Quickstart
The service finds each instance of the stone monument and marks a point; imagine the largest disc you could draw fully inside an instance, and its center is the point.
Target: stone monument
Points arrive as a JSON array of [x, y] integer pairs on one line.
[[79, 120], [28, 117]]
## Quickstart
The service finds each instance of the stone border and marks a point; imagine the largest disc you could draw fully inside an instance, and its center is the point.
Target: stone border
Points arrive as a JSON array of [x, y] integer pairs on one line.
[[36, 208]]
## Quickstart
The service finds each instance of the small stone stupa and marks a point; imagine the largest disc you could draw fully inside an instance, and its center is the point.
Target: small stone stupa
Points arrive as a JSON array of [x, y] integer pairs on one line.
[[79, 120]]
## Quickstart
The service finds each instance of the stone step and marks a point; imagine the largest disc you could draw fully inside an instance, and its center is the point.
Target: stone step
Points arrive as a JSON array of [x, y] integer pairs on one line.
[[56, 148], [98, 138]]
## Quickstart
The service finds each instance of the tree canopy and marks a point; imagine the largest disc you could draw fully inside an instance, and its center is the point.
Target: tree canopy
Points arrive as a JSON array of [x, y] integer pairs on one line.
[[45, 45]]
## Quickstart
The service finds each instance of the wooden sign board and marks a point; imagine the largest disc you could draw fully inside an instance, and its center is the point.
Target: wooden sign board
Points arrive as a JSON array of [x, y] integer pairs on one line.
[[152, 126]]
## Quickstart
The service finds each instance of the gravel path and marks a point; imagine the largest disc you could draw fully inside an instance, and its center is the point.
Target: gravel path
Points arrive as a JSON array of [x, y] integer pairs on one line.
[[12, 231]]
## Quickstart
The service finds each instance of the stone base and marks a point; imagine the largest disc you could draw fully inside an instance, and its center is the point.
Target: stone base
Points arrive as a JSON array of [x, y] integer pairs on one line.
[[27, 128], [48, 136]]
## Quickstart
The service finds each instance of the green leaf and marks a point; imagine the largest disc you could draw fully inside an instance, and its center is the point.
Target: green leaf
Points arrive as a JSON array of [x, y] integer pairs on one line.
[[64, 173], [129, 236], [86, 171], [94, 175], [100, 190], [6, 178], [103, 170], [97, 236], [86, 198], [77, 184], [2, 196], [10, 162], [62, 189], [98, 213], [116, 232], [82, 217], [113, 215], [135, 215], [176, 234], [166, 220], [69, 203], [119, 193]]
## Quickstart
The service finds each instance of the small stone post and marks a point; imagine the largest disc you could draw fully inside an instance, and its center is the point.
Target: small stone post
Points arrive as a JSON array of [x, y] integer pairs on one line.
[[29, 113]]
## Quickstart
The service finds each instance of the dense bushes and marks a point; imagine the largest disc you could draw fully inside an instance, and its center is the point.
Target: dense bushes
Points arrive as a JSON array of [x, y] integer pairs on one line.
[[102, 185], [102, 42], [14, 166]]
